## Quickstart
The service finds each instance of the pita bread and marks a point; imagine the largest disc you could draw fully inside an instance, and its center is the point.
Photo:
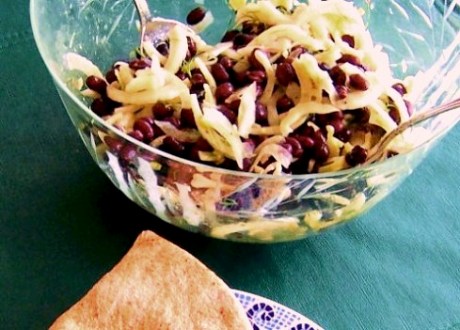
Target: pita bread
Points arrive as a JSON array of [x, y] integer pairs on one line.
[[157, 285]]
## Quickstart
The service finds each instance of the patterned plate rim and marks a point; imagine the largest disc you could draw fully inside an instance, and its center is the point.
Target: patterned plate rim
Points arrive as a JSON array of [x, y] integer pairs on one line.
[[262, 314]]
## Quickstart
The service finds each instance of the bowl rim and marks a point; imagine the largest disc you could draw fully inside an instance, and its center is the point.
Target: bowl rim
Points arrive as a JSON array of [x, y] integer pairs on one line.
[[285, 176]]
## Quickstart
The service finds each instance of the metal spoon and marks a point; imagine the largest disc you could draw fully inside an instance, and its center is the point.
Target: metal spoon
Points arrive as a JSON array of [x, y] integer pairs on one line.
[[154, 29], [378, 151]]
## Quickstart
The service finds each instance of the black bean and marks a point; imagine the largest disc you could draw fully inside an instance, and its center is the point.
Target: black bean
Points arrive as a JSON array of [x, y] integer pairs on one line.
[[358, 82], [358, 155], [219, 73], [136, 134], [252, 28], [227, 62], [147, 155], [350, 40], [200, 145], [336, 115], [128, 153], [230, 35], [348, 58], [173, 146], [321, 120], [361, 116], [163, 48], [158, 131], [197, 80], [321, 153], [337, 124], [110, 76], [145, 128], [234, 105], [196, 16], [113, 144], [285, 73], [239, 78], [161, 111], [284, 104], [394, 114], [338, 76], [230, 164], [187, 118], [242, 39], [223, 91], [112, 104], [258, 139], [231, 116], [319, 138], [149, 120], [181, 75], [139, 64], [281, 59], [400, 88], [342, 91], [344, 135], [254, 61], [198, 91], [192, 49], [300, 166], [261, 113], [194, 154], [392, 153], [257, 76], [203, 145], [297, 149], [306, 141], [101, 107], [96, 84], [195, 70], [306, 130]]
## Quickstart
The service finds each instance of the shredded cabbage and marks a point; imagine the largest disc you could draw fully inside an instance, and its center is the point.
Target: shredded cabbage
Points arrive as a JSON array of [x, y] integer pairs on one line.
[[247, 110], [218, 131]]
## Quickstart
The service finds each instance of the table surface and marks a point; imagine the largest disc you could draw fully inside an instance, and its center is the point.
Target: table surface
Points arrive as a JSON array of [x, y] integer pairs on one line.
[[63, 225]]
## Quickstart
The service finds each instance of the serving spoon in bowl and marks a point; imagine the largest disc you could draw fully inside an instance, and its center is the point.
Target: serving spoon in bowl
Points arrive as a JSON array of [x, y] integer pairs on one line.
[[378, 152], [154, 29]]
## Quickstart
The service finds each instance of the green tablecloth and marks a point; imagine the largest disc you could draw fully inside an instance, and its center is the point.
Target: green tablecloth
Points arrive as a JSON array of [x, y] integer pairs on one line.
[[397, 267]]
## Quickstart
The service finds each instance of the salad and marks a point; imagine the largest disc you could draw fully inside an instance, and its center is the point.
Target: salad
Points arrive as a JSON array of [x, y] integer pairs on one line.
[[292, 88]]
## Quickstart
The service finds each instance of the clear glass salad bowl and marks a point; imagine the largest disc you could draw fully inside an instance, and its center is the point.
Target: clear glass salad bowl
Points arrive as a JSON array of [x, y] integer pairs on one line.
[[419, 36]]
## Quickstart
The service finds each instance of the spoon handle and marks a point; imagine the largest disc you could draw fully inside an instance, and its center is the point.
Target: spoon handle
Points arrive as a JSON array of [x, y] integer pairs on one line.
[[143, 11], [379, 148]]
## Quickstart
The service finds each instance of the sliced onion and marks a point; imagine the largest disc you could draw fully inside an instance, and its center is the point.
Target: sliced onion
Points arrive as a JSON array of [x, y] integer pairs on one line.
[[280, 154], [181, 135]]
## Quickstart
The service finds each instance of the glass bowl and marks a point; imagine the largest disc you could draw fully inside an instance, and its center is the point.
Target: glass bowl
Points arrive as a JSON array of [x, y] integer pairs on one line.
[[233, 205]]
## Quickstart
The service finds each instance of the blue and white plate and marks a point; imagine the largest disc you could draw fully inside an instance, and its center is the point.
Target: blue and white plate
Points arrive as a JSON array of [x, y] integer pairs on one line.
[[265, 314]]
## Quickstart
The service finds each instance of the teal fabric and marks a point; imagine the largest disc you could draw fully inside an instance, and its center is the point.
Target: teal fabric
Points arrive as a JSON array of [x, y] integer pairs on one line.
[[63, 225]]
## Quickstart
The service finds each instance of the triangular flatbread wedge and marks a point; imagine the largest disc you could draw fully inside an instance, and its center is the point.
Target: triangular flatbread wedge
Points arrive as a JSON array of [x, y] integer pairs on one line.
[[157, 285]]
